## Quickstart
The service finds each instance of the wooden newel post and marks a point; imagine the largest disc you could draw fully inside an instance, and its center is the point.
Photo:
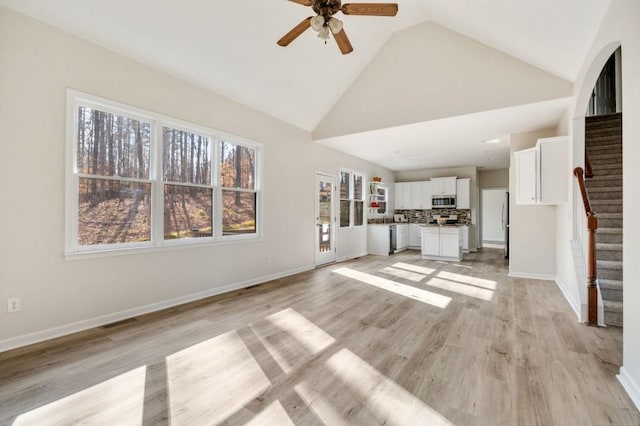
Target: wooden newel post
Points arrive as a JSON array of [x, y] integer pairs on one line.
[[592, 273]]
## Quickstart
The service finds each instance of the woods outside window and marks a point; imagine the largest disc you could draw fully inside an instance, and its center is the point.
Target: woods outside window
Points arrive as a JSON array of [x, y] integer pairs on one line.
[[351, 199], [137, 179]]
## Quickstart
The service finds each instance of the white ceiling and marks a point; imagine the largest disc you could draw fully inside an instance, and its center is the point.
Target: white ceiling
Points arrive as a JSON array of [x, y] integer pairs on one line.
[[229, 47]]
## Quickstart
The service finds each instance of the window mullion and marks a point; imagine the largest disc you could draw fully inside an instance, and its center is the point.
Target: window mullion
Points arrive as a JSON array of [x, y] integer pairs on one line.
[[157, 184]]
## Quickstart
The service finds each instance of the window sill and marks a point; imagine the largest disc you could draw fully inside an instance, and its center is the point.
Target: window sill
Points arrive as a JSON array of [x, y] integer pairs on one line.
[[166, 246]]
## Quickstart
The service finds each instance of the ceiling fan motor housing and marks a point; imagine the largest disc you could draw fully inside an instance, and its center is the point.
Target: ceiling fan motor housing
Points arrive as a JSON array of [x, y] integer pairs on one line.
[[326, 8]]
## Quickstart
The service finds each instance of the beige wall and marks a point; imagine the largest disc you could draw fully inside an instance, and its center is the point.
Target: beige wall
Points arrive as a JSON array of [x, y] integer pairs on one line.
[[532, 229], [409, 82], [38, 64], [460, 172], [619, 27], [498, 178]]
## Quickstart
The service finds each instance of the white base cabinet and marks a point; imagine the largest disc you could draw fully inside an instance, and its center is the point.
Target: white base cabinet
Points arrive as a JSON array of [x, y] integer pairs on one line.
[[442, 243], [402, 239], [378, 239], [415, 236]]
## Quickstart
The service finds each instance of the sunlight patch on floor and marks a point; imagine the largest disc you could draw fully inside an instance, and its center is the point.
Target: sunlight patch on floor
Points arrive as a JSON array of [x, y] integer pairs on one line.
[[274, 414], [414, 293], [195, 376], [466, 279], [414, 268], [463, 289], [401, 273], [290, 338], [123, 394], [387, 401]]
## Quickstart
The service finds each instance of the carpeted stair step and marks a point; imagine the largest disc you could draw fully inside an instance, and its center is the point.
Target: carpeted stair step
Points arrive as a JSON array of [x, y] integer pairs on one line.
[[604, 180], [609, 269], [605, 148], [604, 193], [606, 206], [602, 159], [609, 220], [606, 169], [600, 141], [611, 290], [615, 130], [613, 313], [591, 127], [609, 251], [609, 235]]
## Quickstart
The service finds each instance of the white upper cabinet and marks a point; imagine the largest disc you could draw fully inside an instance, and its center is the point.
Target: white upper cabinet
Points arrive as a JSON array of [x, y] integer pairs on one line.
[[418, 199], [443, 186], [526, 176], [463, 191], [541, 172], [426, 194], [402, 196]]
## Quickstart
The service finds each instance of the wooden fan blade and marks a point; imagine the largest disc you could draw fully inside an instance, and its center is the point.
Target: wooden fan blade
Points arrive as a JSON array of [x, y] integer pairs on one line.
[[303, 2], [343, 42], [371, 9], [295, 32]]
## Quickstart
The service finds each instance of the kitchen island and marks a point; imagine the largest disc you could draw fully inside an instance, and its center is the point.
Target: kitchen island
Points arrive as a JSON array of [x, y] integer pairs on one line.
[[442, 242]]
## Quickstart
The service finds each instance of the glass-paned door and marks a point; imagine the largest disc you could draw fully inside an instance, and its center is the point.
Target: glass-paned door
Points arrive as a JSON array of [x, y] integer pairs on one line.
[[325, 220]]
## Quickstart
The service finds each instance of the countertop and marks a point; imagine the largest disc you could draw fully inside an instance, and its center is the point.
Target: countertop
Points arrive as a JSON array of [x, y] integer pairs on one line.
[[452, 225]]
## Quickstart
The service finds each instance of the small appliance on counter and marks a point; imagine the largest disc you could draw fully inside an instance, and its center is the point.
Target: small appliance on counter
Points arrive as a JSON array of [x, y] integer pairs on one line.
[[400, 218], [444, 219]]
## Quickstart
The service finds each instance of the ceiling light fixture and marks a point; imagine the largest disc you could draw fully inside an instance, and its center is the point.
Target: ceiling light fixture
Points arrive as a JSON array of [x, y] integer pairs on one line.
[[492, 141]]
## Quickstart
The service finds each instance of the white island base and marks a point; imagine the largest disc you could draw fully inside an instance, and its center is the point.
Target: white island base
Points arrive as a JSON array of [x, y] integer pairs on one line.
[[442, 242]]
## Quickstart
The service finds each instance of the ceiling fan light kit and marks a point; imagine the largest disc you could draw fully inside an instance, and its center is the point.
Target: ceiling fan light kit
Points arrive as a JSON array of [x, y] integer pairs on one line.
[[324, 22]]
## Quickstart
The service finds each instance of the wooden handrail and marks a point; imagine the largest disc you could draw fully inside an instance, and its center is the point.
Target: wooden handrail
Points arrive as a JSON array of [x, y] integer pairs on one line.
[[588, 173], [592, 226]]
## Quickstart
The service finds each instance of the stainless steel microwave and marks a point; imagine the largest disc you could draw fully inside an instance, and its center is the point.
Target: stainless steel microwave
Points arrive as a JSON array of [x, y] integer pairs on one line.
[[443, 201]]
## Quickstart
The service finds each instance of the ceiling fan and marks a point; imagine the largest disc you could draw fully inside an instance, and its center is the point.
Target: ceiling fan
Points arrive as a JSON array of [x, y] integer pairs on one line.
[[324, 22]]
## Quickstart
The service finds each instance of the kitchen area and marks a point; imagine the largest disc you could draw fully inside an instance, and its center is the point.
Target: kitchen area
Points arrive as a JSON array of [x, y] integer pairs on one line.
[[430, 216]]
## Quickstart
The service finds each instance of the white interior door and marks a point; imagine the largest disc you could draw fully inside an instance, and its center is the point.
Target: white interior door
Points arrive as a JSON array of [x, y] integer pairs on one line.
[[325, 223], [493, 215]]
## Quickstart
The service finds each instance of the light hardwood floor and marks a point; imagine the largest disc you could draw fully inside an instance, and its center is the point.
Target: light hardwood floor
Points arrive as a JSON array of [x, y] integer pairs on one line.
[[376, 340]]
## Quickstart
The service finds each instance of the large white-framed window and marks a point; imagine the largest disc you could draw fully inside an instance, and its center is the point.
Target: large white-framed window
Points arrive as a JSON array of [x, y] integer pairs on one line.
[[352, 195], [141, 180]]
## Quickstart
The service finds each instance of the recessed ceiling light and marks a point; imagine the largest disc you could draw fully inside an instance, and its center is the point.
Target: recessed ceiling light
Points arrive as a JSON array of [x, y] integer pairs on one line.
[[492, 141]]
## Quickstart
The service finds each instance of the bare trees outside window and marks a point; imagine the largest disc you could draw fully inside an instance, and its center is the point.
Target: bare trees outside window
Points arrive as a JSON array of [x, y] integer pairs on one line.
[[139, 180]]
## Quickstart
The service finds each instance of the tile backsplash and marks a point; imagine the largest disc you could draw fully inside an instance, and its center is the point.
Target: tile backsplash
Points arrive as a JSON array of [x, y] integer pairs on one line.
[[424, 216]]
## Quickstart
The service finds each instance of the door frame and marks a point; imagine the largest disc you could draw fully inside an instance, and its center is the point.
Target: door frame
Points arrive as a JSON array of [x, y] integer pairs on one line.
[[318, 259]]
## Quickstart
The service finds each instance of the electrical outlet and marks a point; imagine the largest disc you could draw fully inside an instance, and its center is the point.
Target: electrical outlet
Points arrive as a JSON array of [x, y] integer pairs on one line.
[[14, 304]]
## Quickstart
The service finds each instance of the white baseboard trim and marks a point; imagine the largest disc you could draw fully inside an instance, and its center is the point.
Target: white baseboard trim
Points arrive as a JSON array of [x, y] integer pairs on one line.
[[574, 305], [630, 385], [63, 330], [532, 276], [351, 256]]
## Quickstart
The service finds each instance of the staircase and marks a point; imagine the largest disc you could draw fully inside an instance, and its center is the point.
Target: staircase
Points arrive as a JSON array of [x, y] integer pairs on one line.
[[603, 143]]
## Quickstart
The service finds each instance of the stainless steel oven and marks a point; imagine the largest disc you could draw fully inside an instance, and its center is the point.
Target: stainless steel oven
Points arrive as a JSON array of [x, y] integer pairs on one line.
[[443, 202]]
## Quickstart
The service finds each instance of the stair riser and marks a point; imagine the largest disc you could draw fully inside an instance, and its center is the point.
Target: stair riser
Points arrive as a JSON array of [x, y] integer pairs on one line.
[[609, 255], [609, 223], [610, 274], [603, 183], [604, 131], [611, 195], [606, 171], [601, 140], [598, 160], [603, 124], [606, 208], [603, 149], [609, 238], [614, 295], [613, 319]]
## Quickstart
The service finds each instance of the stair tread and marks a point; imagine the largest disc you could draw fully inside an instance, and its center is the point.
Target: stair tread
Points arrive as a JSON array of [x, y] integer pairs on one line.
[[612, 306], [612, 201], [610, 215], [609, 246], [604, 188], [610, 230], [609, 283], [609, 264], [605, 177]]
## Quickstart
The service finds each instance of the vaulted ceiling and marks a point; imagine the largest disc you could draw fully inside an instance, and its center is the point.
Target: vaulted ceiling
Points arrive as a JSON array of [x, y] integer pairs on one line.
[[230, 48]]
